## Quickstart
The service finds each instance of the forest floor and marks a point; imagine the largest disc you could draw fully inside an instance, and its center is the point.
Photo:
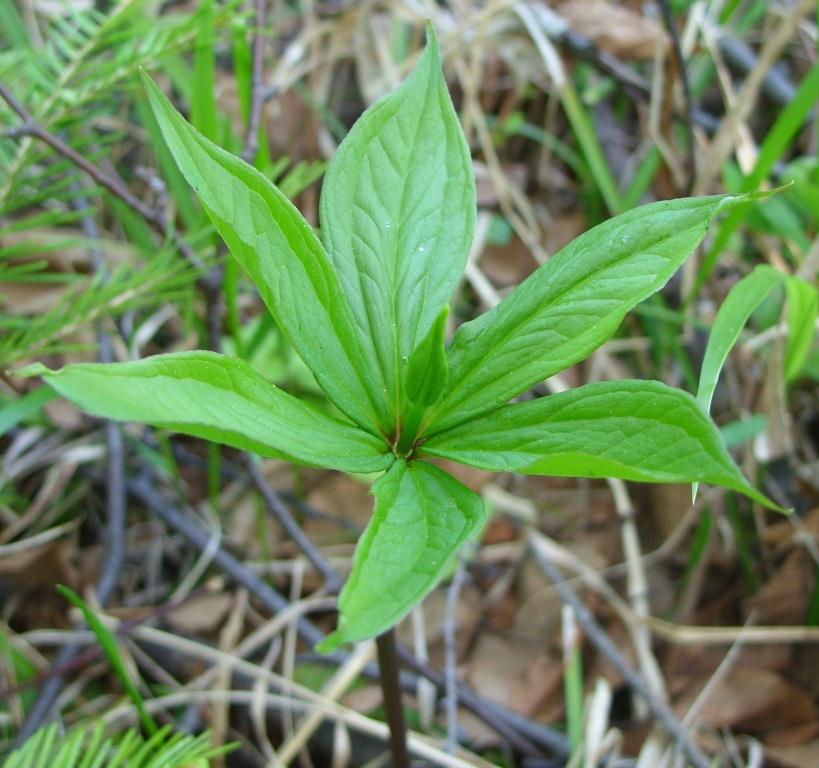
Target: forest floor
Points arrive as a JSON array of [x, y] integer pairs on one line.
[[575, 111]]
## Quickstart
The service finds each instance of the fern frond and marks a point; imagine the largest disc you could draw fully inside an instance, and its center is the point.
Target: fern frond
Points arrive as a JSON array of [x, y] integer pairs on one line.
[[87, 56], [87, 746], [165, 278]]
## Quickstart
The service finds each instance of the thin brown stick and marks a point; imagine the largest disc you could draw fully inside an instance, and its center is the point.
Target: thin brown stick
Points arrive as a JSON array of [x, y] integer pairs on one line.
[[604, 644], [278, 508], [688, 122], [155, 218]]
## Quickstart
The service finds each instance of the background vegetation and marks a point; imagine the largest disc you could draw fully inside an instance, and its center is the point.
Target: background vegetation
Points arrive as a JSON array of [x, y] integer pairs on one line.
[[701, 623]]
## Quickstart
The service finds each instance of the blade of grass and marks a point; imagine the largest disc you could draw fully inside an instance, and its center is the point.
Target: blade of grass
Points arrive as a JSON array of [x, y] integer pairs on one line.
[[204, 116], [572, 679], [591, 149], [779, 138], [108, 644], [643, 178], [25, 407], [180, 192]]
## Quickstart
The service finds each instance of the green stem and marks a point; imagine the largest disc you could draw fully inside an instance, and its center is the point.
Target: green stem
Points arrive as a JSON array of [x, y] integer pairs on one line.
[[409, 430], [391, 690]]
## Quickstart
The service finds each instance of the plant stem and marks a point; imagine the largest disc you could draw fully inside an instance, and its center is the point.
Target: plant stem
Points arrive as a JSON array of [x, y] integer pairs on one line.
[[391, 689]]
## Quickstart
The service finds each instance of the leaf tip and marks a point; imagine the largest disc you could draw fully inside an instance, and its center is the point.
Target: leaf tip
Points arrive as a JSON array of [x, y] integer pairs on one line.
[[331, 643], [754, 196], [29, 371], [432, 49], [432, 35]]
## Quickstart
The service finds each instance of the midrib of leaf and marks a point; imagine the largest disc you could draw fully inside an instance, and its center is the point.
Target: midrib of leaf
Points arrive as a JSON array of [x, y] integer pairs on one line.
[[512, 331], [398, 395]]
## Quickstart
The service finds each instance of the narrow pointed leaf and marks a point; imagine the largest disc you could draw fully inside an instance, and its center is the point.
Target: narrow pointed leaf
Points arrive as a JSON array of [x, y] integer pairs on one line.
[[422, 515], [108, 643], [801, 313], [740, 303], [634, 430], [220, 399], [427, 372], [570, 305], [398, 214], [285, 259], [738, 306]]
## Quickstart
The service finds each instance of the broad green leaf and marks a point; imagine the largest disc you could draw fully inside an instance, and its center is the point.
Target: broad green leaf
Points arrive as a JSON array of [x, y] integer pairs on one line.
[[220, 399], [569, 306], [398, 214], [634, 430], [738, 306], [422, 515], [801, 314], [282, 255]]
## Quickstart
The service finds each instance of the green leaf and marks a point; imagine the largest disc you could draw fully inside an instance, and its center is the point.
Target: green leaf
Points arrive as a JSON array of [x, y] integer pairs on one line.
[[220, 399], [422, 515], [634, 430], [108, 644], [738, 306], [740, 303], [427, 371], [86, 746], [282, 255], [788, 124], [24, 407], [569, 306], [801, 313], [397, 216], [204, 113]]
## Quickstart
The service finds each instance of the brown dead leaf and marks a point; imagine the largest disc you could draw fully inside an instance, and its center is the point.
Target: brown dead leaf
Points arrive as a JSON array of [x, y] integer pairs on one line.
[[683, 662], [617, 30], [791, 737], [364, 699], [784, 598], [752, 700], [342, 497], [201, 615], [802, 756], [782, 533], [805, 667], [514, 672], [500, 530], [507, 265], [467, 617], [538, 616], [45, 565]]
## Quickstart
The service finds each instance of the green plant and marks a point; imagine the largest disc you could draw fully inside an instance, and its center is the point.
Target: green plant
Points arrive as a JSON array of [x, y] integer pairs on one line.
[[88, 747], [365, 307]]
